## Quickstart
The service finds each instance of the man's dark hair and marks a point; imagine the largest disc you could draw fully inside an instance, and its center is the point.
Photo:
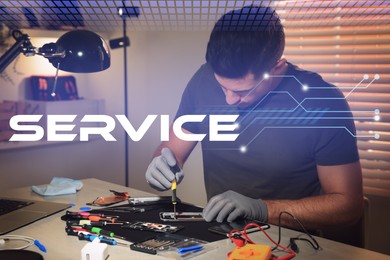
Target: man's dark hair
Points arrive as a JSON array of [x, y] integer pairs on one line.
[[247, 40]]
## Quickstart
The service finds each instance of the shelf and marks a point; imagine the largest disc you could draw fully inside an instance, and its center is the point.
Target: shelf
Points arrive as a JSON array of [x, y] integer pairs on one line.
[[7, 146]]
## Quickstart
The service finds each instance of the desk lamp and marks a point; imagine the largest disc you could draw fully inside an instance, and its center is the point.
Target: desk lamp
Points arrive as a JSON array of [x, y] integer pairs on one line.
[[75, 51]]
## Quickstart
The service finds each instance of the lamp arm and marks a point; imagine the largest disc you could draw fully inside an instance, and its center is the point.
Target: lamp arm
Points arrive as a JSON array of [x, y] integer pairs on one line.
[[22, 45]]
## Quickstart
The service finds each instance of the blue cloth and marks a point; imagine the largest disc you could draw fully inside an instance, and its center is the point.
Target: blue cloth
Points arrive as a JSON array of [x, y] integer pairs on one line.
[[58, 186]]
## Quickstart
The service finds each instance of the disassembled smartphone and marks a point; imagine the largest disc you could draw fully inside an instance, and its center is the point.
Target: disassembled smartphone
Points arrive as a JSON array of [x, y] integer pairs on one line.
[[181, 216], [225, 228], [155, 227]]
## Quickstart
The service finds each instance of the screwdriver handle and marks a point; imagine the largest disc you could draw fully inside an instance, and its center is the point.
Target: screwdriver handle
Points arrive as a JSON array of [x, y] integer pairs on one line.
[[88, 214], [92, 238], [107, 241], [70, 213], [70, 216], [82, 222], [102, 232], [94, 218], [83, 236], [173, 188], [77, 215], [83, 213], [70, 231], [175, 168]]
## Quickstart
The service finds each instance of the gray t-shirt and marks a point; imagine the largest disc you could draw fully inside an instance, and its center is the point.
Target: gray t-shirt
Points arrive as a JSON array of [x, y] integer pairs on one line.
[[286, 134]]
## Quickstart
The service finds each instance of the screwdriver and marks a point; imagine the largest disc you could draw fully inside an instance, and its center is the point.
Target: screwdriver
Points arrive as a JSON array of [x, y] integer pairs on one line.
[[102, 232], [75, 231], [70, 231], [174, 200], [85, 214], [97, 219], [174, 169], [102, 239], [82, 222]]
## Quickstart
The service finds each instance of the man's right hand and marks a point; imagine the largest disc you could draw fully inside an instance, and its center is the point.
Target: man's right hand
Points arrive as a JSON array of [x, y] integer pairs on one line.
[[161, 171]]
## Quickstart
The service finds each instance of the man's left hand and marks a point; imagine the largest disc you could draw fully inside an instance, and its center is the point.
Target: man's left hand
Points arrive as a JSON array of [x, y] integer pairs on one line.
[[230, 205]]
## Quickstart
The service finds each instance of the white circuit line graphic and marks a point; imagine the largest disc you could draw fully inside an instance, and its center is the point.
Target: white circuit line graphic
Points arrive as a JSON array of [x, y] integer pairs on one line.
[[375, 112]]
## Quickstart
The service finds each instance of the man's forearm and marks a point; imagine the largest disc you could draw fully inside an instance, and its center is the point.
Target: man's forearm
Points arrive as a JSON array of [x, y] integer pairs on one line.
[[316, 212]]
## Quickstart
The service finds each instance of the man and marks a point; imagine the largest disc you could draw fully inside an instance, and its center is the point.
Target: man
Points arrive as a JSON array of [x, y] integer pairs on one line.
[[296, 149]]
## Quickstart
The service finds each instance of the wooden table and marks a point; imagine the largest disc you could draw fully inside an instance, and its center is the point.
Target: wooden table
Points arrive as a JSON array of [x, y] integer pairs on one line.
[[50, 231]]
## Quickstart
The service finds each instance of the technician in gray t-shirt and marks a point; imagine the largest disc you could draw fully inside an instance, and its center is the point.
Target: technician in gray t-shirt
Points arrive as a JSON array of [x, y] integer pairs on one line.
[[296, 147]]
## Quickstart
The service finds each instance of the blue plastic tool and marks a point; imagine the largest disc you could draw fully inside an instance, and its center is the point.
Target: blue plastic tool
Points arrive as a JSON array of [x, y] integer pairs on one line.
[[184, 250], [40, 246]]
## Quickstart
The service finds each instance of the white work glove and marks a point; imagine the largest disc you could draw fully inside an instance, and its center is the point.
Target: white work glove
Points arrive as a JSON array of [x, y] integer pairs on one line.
[[162, 170], [231, 205]]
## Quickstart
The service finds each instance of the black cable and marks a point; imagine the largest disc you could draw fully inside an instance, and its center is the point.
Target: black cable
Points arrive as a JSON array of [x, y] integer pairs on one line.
[[313, 241], [314, 244]]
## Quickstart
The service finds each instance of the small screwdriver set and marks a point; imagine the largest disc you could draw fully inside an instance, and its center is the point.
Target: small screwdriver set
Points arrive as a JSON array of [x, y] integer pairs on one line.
[[151, 246], [166, 242], [173, 246]]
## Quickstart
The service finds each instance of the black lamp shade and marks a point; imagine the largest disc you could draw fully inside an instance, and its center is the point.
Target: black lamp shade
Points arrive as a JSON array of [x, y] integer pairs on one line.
[[85, 52]]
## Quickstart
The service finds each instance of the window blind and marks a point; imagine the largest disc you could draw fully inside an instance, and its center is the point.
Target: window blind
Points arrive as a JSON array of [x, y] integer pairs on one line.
[[350, 47]]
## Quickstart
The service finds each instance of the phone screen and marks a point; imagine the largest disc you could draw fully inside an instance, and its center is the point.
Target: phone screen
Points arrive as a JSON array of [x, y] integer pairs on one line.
[[181, 216]]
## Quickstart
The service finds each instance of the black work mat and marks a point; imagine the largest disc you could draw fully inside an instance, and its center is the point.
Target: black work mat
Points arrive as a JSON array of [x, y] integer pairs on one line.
[[196, 229]]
